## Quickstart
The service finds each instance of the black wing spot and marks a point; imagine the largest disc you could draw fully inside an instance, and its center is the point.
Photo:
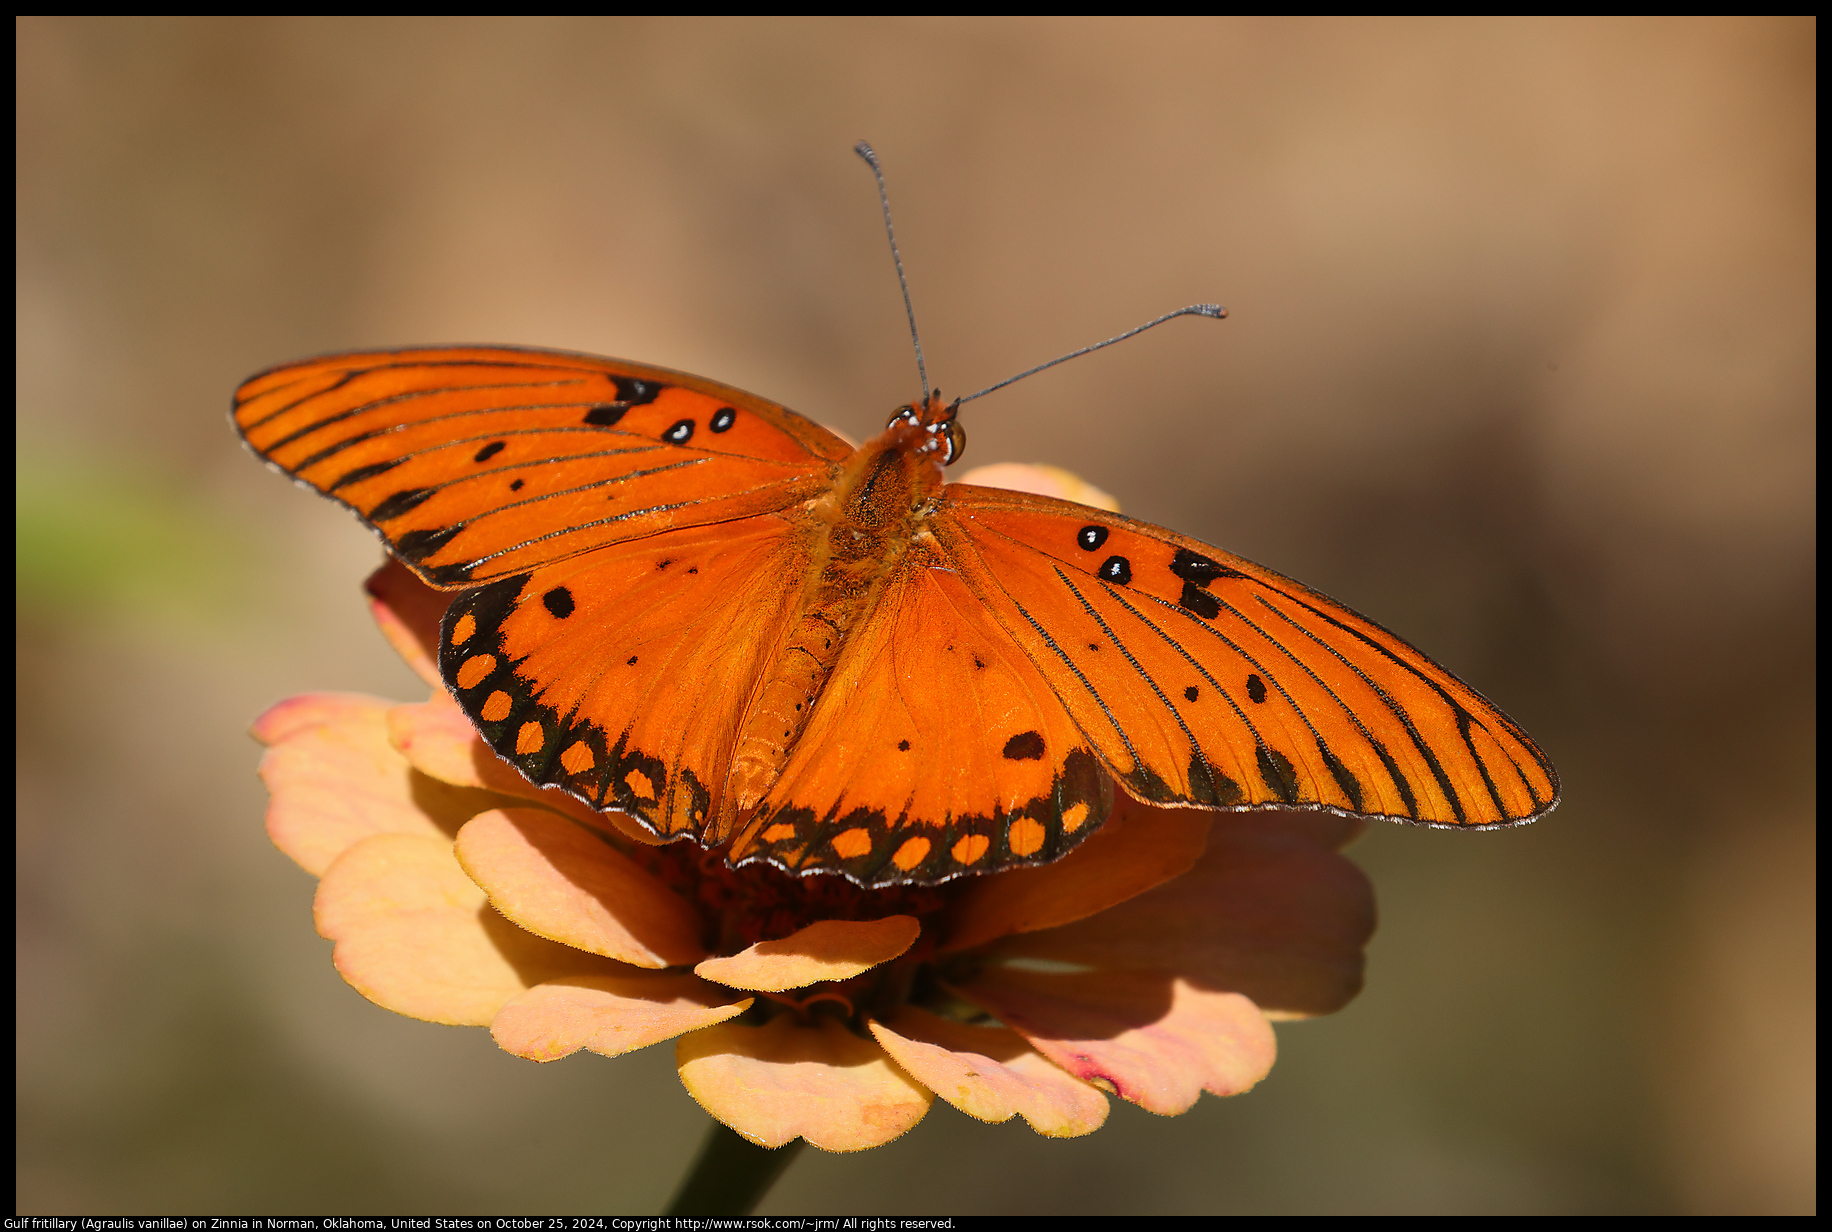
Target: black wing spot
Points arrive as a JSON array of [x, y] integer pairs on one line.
[[1095, 646], [558, 602], [1189, 694], [1345, 778], [978, 663], [664, 562], [1256, 688], [1025, 746], [1406, 796], [630, 662], [417, 545], [699, 798], [489, 606], [394, 506], [516, 486], [634, 391], [605, 415], [1116, 569], [679, 432], [451, 575], [1148, 784], [489, 451], [1199, 569], [366, 472], [1464, 720], [645, 771], [1276, 770], [723, 419], [903, 746], [1091, 537], [1197, 600], [1210, 786]]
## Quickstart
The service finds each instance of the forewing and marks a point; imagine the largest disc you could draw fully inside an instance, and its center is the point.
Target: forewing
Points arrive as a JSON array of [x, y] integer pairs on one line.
[[620, 675], [1204, 679], [476, 464], [936, 749]]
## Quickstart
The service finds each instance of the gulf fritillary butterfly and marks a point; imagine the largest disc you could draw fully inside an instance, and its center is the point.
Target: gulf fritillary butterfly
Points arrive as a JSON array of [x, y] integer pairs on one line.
[[691, 604]]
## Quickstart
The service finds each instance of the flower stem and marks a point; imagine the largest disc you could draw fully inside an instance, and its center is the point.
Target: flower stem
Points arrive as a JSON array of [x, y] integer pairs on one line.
[[731, 1175]]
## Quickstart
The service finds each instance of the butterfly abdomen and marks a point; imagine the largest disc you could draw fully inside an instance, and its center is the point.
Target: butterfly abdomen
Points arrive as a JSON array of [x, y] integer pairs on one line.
[[863, 528]]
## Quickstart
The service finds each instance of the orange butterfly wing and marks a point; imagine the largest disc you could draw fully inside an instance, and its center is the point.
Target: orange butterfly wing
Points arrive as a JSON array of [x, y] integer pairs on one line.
[[936, 749], [621, 674], [1204, 679], [637, 547], [1031, 639], [625, 522], [477, 463]]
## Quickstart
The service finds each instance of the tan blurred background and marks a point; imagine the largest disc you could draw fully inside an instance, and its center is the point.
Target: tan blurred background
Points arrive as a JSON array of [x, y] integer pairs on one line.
[[1520, 363]]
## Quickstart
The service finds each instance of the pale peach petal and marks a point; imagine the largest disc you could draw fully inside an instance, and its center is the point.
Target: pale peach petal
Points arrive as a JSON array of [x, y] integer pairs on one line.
[[782, 1081], [437, 737], [1271, 911], [609, 1014], [827, 950], [1139, 846], [1154, 1039], [561, 881], [408, 612], [296, 714], [1043, 480], [990, 1073], [333, 778], [415, 935]]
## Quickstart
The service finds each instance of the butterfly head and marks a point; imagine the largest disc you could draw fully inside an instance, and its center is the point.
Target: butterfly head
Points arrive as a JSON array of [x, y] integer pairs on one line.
[[932, 428]]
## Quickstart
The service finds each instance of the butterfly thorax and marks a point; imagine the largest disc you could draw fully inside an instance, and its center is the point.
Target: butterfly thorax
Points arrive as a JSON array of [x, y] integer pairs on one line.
[[859, 533]]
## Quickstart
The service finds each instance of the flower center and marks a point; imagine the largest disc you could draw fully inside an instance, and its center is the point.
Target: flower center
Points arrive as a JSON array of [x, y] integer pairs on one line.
[[759, 902]]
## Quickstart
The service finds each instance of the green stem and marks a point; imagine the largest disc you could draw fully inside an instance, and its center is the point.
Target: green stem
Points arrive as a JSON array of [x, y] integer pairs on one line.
[[731, 1175]]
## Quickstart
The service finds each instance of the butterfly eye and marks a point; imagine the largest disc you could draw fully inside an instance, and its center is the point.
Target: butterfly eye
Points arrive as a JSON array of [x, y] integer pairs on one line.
[[906, 414], [957, 443]]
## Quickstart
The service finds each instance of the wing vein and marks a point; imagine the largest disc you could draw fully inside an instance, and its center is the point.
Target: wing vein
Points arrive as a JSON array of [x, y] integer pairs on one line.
[[408, 395], [1399, 712], [1079, 675], [1144, 675], [1193, 662]]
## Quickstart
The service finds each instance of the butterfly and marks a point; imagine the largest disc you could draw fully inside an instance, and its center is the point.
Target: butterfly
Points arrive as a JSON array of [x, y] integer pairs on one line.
[[691, 604]]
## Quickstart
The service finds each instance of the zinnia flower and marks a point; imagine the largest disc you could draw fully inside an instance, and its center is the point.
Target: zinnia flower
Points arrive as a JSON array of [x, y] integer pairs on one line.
[[1146, 964]]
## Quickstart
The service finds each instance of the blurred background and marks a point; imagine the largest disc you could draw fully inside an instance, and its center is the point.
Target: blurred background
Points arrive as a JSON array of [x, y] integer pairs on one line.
[[1520, 364]]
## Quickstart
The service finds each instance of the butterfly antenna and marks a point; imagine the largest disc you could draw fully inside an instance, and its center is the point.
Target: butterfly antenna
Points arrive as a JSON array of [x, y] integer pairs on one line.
[[1194, 310], [864, 150]]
